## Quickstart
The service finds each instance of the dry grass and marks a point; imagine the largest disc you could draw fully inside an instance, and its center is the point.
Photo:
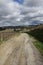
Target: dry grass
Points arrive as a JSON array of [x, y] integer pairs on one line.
[[6, 34]]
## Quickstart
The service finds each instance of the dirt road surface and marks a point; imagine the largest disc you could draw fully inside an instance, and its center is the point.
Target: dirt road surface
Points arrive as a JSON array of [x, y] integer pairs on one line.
[[19, 50]]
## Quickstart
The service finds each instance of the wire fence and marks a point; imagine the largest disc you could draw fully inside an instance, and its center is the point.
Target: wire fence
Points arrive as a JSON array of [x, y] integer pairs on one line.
[[6, 35]]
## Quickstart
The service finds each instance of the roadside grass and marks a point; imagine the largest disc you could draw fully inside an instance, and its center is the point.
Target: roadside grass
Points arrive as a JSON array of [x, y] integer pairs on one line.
[[38, 36], [39, 45], [6, 35], [1, 42], [17, 33]]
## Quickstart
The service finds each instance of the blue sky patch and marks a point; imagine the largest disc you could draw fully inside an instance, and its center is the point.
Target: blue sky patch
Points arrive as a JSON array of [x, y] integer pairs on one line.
[[19, 1]]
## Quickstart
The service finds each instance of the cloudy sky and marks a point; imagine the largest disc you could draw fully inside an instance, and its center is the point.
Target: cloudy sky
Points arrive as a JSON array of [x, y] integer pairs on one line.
[[21, 12]]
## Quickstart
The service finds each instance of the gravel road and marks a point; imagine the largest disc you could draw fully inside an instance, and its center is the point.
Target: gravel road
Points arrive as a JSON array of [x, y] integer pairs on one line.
[[19, 50]]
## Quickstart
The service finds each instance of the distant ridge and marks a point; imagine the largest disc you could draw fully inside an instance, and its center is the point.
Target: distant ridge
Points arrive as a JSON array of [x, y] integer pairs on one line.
[[22, 26]]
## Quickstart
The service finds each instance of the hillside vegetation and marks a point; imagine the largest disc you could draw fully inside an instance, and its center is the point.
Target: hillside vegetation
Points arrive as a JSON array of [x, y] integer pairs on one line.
[[37, 33]]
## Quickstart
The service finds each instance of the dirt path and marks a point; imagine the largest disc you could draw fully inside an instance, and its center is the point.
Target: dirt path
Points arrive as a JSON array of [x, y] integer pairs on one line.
[[19, 51]]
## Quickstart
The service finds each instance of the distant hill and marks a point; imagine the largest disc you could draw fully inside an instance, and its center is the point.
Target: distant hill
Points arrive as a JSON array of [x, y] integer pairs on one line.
[[38, 27], [16, 27], [30, 27]]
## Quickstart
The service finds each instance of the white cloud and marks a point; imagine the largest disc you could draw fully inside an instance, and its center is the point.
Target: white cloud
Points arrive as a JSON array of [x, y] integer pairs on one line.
[[10, 10], [26, 23], [12, 13]]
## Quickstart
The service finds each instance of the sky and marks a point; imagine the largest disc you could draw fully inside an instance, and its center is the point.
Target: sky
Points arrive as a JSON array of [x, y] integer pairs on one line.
[[21, 12]]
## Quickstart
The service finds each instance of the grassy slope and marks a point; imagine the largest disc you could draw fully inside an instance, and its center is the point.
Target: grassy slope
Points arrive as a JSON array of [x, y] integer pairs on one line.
[[37, 33], [39, 45]]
